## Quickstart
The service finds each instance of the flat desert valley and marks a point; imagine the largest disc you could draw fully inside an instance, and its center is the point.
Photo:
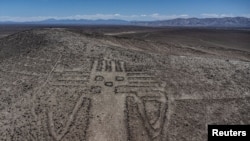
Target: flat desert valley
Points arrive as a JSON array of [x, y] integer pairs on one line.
[[121, 83]]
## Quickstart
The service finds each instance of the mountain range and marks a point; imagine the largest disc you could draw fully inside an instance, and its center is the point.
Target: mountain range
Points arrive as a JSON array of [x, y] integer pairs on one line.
[[189, 22]]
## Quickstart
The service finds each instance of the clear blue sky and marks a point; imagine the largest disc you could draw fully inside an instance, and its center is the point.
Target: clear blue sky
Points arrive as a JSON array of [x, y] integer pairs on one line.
[[120, 9]]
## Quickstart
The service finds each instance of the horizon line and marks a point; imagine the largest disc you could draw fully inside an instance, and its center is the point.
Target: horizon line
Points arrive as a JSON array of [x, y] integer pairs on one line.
[[142, 17], [120, 19]]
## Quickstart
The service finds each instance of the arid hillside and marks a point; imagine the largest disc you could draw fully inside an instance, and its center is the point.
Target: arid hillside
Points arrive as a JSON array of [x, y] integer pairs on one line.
[[122, 83]]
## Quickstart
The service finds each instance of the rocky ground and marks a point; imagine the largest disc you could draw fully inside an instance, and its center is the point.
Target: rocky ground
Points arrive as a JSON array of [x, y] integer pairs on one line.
[[61, 84]]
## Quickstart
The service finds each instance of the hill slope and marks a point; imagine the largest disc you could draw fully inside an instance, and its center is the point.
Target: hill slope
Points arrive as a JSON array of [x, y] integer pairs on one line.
[[62, 84]]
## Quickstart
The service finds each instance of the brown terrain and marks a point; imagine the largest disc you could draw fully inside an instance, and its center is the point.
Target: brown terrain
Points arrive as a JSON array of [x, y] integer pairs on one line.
[[121, 83]]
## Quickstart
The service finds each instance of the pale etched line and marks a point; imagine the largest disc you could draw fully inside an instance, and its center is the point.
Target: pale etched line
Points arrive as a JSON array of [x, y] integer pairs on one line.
[[39, 89], [22, 73], [73, 73], [155, 129], [138, 73], [205, 98], [132, 86], [170, 112], [65, 130], [95, 64], [113, 66], [142, 86], [38, 59], [72, 81], [122, 66], [141, 78], [143, 83], [78, 80], [33, 98], [69, 85], [103, 65]]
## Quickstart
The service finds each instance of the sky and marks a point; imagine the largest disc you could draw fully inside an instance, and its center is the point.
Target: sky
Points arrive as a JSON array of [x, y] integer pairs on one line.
[[131, 10]]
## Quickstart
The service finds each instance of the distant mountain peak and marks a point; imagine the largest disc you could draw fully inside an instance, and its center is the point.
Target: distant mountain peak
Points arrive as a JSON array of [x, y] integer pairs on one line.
[[190, 22], [204, 22]]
